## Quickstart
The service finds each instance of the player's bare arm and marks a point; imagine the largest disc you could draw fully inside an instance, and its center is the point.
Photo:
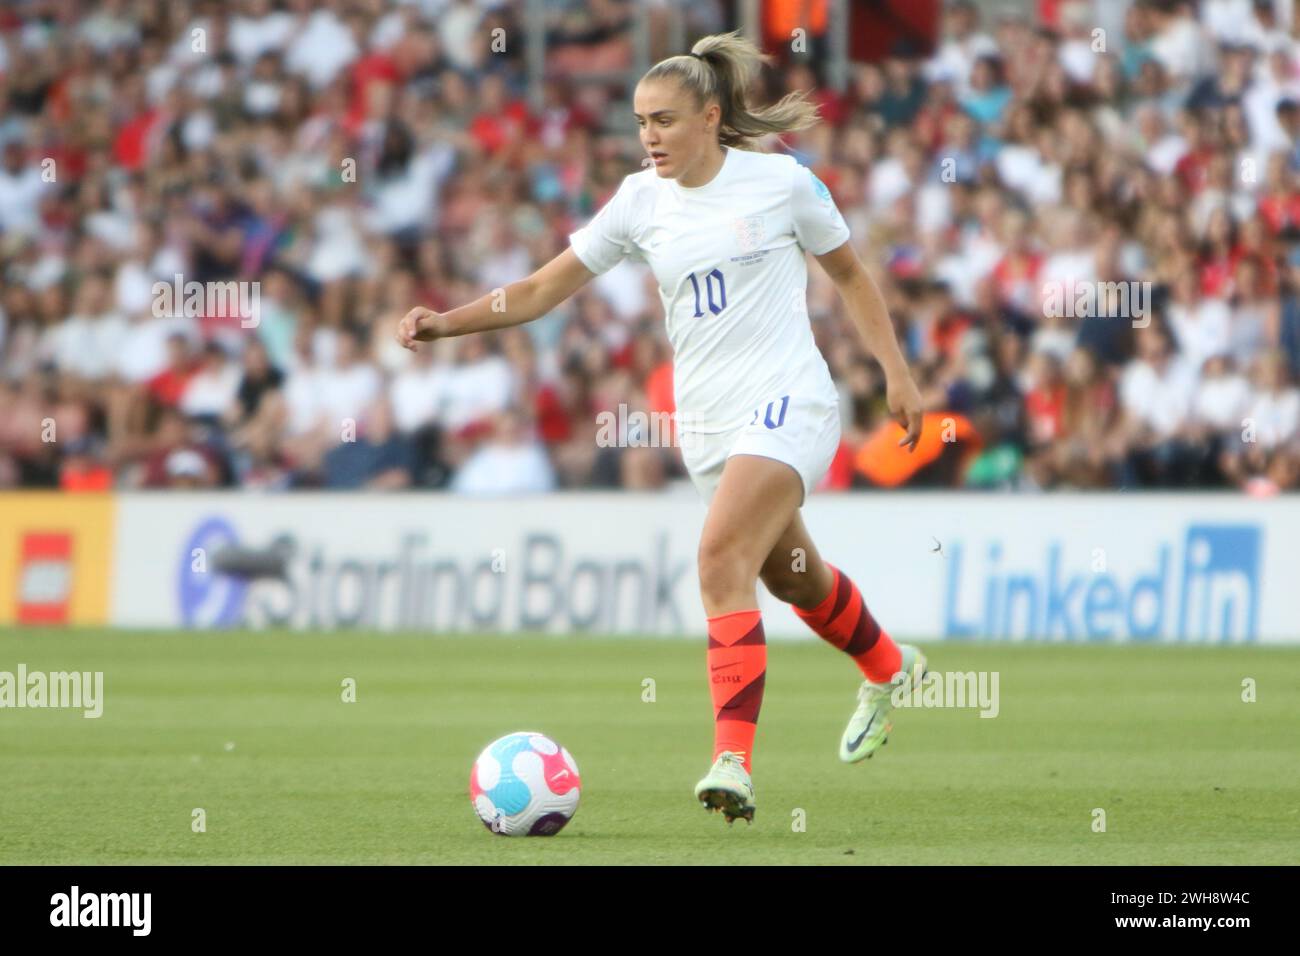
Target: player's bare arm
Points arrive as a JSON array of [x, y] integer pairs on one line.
[[867, 308], [517, 303]]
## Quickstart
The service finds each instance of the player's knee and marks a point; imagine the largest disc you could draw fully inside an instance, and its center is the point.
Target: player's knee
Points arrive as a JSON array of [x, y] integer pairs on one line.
[[723, 571]]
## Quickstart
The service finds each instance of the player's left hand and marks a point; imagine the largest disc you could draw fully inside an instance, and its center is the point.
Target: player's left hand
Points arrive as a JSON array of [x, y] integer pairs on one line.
[[905, 405]]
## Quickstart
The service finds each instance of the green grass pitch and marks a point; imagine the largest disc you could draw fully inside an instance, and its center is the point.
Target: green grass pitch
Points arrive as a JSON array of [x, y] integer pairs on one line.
[[252, 728]]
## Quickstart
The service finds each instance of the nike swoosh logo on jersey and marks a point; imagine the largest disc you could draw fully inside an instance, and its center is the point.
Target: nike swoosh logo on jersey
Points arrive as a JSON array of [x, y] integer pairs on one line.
[[854, 746], [721, 666]]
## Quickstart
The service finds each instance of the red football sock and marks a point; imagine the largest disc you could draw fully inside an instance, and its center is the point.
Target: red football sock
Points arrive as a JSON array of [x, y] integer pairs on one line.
[[843, 620], [737, 667]]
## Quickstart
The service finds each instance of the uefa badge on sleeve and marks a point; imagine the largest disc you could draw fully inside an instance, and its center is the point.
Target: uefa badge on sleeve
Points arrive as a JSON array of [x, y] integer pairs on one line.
[[823, 191]]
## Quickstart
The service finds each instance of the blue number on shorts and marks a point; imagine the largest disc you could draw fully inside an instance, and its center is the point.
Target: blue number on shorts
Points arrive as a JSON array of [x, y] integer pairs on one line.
[[767, 416], [714, 307]]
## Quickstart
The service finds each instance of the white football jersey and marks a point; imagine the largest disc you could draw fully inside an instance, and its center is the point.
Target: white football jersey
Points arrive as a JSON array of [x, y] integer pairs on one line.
[[729, 259]]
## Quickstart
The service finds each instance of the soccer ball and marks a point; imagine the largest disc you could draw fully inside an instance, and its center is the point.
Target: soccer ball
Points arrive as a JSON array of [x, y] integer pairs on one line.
[[524, 784]]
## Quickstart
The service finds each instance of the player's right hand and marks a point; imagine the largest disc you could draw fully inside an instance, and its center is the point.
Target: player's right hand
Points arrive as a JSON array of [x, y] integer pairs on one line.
[[418, 325], [904, 402]]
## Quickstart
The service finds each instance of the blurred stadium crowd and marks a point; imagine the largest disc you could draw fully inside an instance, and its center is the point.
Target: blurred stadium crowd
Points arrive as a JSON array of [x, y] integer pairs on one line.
[[357, 157]]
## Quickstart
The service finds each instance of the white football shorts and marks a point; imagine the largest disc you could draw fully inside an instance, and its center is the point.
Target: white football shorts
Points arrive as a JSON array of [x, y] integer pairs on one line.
[[803, 432]]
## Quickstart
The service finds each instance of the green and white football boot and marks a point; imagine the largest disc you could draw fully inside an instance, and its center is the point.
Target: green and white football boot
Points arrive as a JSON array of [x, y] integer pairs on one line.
[[869, 727], [727, 787]]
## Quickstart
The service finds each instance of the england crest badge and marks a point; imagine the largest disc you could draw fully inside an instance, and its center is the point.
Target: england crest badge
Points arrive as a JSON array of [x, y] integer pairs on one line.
[[749, 233]]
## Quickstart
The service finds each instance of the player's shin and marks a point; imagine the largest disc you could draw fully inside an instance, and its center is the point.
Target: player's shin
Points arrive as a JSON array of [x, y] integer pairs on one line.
[[843, 620], [737, 660]]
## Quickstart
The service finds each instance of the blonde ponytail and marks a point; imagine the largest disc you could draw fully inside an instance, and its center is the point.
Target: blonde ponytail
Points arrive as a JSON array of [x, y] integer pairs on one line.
[[720, 68]]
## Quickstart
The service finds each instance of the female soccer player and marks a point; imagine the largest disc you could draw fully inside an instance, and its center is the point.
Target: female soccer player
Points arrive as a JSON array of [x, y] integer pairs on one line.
[[725, 230]]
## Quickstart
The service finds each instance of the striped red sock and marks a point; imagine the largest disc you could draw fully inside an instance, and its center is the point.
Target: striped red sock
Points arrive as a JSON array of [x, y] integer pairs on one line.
[[737, 667], [843, 620]]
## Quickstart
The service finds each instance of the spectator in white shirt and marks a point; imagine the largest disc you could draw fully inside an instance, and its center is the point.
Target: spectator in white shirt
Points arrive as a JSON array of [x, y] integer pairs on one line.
[[322, 47], [21, 189], [1228, 20], [257, 30], [478, 386], [1274, 409], [1256, 317], [1156, 392], [402, 191], [1267, 457], [347, 389], [511, 462], [1201, 325], [416, 392], [458, 28], [964, 44], [1178, 44], [1222, 396], [211, 390]]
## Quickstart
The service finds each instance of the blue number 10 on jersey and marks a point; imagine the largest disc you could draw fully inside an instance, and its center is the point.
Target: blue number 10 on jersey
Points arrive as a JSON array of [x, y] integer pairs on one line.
[[721, 300]]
